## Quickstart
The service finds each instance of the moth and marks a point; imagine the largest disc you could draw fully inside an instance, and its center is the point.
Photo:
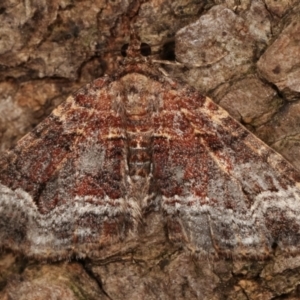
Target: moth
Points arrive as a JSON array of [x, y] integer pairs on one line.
[[138, 142]]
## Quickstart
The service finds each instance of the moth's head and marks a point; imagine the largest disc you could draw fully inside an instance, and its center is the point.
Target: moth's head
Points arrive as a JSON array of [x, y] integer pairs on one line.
[[135, 50]]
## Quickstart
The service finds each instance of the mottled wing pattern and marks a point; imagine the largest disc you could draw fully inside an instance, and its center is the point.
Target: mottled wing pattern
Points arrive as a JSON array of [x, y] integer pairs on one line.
[[224, 191], [139, 142], [63, 188]]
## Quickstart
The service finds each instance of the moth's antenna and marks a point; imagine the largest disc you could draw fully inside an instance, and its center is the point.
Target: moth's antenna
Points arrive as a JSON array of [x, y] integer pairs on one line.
[[167, 62]]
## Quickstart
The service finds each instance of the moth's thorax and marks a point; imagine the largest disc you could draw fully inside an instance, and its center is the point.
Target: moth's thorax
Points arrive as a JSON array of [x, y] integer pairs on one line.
[[138, 97]]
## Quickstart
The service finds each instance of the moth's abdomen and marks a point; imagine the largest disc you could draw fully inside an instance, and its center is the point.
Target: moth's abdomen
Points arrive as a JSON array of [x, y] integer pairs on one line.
[[139, 138]]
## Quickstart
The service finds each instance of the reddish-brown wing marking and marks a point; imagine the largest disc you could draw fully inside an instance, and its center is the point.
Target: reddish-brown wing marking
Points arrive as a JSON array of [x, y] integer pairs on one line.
[[224, 191], [137, 142], [65, 182]]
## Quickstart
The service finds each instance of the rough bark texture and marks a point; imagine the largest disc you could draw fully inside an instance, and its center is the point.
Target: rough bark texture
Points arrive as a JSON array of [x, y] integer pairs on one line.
[[245, 56]]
